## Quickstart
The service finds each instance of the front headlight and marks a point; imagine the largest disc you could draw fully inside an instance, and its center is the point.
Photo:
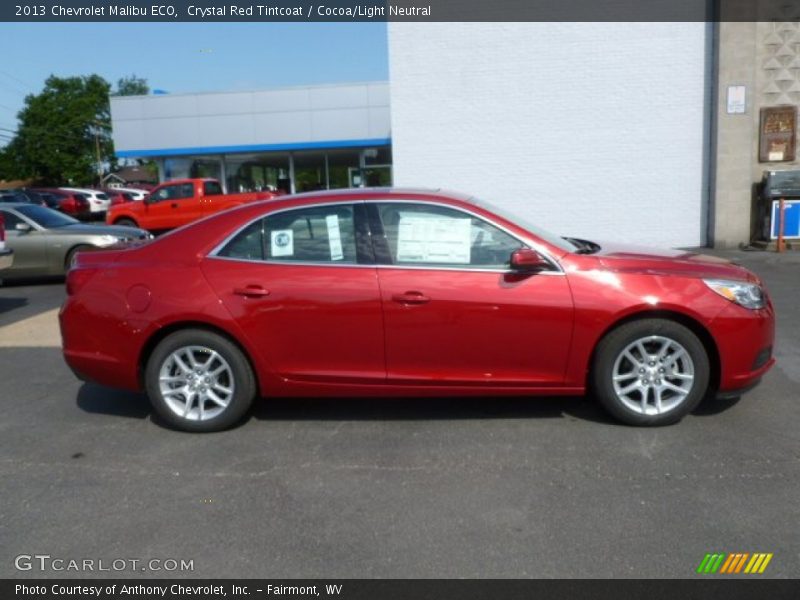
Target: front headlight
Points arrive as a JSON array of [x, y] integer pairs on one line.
[[107, 240], [749, 295]]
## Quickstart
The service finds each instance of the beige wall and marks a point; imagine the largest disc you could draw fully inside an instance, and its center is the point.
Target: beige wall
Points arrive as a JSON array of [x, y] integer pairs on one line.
[[764, 57]]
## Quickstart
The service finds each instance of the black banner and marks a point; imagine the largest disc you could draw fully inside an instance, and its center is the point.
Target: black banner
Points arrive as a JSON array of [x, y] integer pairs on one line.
[[399, 10], [403, 589]]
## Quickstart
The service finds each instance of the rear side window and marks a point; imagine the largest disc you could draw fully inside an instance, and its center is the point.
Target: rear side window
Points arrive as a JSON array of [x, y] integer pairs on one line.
[[248, 243], [322, 234], [175, 192]]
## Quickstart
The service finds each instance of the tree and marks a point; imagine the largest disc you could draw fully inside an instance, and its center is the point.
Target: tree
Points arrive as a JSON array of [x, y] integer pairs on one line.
[[64, 132], [132, 86]]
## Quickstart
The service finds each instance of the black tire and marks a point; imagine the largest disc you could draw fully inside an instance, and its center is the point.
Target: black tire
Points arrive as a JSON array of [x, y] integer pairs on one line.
[[612, 346], [71, 255], [243, 380], [126, 222]]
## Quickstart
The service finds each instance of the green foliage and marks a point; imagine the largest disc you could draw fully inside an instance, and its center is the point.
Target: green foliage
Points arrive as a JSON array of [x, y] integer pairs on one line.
[[59, 132], [132, 86]]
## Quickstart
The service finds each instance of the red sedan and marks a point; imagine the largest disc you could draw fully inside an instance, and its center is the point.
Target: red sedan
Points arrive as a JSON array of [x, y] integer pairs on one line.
[[408, 293]]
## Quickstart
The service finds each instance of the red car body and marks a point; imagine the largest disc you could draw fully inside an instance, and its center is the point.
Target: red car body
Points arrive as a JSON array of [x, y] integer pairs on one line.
[[379, 329], [70, 203]]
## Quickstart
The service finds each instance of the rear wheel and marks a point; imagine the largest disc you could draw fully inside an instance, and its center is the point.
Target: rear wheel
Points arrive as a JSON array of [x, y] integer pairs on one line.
[[199, 381], [650, 372], [126, 223]]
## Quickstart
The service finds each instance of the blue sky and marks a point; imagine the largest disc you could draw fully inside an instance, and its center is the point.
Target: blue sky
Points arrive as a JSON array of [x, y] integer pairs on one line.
[[188, 57]]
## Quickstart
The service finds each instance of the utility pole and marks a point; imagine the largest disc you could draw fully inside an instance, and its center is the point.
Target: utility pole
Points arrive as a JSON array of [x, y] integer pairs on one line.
[[99, 162]]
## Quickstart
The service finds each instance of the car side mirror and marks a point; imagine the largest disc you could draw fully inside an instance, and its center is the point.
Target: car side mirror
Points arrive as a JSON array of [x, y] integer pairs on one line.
[[148, 199], [23, 227], [528, 260]]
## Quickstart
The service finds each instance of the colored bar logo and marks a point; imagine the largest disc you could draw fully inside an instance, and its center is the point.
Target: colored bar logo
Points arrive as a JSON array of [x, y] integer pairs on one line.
[[734, 563]]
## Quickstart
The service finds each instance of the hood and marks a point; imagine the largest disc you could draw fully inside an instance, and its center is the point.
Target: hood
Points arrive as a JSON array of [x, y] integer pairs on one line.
[[131, 233], [670, 262]]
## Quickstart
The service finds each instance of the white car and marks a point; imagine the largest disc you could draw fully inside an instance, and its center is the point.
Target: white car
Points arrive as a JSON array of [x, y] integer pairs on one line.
[[98, 201]]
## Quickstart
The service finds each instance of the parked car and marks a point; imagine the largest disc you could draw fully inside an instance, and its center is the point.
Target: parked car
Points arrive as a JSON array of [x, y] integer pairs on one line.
[[24, 196], [45, 241], [119, 197], [178, 202], [99, 201], [135, 193], [73, 204], [402, 293], [6, 253]]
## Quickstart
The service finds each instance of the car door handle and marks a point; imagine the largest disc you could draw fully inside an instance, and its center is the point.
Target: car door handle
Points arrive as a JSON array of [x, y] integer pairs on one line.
[[174, 205], [251, 291], [411, 298]]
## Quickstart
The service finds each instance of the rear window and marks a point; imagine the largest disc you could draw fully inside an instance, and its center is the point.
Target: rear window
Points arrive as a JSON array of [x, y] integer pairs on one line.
[[211, 188]]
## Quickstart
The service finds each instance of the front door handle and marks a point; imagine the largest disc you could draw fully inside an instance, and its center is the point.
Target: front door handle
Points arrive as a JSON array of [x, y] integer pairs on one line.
[[174, 205], [412, 297], [251, 291]]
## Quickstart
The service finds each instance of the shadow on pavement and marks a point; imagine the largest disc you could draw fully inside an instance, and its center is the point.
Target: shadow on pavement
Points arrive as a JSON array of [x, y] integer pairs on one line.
[[8, 304], [388, 409], [715, 406], [26, 281], [98, 399]]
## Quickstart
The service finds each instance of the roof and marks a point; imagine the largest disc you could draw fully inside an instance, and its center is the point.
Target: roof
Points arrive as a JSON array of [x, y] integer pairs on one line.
[[133, 174]]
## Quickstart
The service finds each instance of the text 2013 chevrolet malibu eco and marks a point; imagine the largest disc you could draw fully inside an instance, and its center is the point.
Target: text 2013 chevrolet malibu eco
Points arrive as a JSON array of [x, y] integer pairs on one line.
[[393, 292]]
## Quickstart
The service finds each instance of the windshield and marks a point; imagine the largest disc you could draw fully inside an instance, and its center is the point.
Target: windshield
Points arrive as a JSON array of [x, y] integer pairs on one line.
[[547, 236], [45, 217]]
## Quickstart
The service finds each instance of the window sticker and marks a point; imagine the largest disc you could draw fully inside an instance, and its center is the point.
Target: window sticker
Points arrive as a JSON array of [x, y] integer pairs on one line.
[[282, 242], [334, 237], [432, 239]]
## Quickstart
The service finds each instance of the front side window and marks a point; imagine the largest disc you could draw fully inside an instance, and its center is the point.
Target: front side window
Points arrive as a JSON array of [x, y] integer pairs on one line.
[[430, 235], [322, 234]]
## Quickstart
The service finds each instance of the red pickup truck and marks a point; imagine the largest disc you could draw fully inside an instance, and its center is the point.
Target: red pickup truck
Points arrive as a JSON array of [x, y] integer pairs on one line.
[[178, 202]]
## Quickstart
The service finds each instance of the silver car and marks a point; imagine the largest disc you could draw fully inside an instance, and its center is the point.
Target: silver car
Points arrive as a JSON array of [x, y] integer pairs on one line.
[[45, 241]]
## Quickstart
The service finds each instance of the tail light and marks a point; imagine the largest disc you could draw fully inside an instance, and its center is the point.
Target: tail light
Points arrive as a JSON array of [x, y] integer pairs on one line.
[[78, 277], [2, 230]]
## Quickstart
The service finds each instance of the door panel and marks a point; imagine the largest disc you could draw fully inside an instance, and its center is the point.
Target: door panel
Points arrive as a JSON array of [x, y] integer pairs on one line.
[[311, 323], [30, 248], [476, 327], [172, 206], [303, 287], [454, 312]]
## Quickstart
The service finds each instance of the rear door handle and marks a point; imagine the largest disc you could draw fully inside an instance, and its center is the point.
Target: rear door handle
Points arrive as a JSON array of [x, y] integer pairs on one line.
[[411, 298], [251, 291], [174, 205]]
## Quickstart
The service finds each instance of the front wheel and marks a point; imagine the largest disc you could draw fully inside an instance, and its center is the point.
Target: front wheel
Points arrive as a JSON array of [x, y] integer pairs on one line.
[[199, 381], [69, 259], [650, 372]]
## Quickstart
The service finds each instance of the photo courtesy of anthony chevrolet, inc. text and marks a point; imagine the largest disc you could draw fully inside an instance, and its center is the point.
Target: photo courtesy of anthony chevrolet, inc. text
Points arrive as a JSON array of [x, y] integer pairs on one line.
[[405, 300]]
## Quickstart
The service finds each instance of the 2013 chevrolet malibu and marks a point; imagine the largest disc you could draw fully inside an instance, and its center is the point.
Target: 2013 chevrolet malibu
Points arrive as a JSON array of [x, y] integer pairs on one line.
[[398, 292]]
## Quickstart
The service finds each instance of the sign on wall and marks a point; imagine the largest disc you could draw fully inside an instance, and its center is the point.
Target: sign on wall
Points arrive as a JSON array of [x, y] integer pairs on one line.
[[777, 134], [737, 99]]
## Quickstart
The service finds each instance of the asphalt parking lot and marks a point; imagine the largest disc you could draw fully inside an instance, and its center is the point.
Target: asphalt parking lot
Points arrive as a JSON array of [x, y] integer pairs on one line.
[[393, 488]]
